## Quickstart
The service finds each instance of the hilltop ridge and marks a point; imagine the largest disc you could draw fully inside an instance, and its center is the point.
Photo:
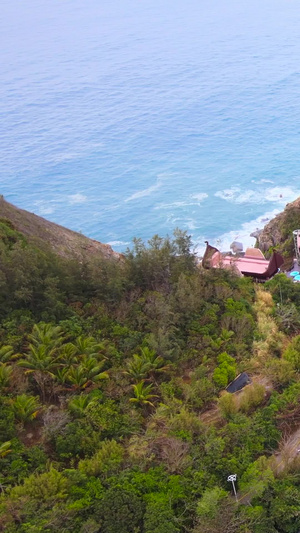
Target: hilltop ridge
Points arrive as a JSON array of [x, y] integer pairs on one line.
[[63, 241]]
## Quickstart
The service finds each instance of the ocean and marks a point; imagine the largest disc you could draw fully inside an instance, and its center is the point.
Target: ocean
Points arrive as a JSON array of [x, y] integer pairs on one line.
[[129, 118]]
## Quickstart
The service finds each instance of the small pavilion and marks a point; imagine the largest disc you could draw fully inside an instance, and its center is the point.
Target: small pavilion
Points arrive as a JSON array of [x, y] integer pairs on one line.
[[253, 263]]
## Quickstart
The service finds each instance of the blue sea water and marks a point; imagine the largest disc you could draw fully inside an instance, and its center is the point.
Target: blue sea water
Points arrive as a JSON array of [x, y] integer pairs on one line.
[[130, 118]]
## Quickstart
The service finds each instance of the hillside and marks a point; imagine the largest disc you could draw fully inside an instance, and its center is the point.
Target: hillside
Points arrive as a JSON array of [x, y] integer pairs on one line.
[[114, 412], [65, 242]]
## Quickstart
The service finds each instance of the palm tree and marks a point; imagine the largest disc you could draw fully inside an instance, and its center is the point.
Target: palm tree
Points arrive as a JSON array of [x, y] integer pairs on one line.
[[224, 338], [6, 353], [77, 377], [142, 394], [39, 358], [78, 404], [41, 362], [87, 373], [68, 354], [46, 334], [93, 367], [141, 366], [61, 375], [88, 346], [155, 362], [5, 448], [5, 375], [137, 368], [25, 408]]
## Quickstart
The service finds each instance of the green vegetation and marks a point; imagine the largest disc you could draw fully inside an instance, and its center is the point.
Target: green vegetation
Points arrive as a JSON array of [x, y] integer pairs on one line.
[[114, 417]]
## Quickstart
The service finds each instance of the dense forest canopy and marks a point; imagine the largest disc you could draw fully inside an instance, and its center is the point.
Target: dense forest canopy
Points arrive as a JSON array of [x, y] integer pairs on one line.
[[114, 414]]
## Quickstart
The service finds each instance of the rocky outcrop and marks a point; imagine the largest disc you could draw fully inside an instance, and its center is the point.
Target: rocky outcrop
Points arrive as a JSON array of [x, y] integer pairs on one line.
[[270, 235], [62, 241], [278, 233]]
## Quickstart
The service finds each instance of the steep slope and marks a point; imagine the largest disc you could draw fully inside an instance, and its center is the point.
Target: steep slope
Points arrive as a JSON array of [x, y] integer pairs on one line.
[[62, 241]]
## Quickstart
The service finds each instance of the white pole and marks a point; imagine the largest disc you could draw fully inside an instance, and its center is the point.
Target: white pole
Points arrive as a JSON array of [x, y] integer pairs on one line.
[[232, 478]]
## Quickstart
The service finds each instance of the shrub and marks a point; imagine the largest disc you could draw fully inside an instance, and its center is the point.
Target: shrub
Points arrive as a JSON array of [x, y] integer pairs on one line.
[[228, 405], [252, 396], [120, 511], [159, 515], [106, 460]]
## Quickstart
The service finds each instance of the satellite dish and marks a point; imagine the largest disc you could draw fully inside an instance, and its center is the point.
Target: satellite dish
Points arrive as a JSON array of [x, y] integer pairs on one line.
[[232, 477]]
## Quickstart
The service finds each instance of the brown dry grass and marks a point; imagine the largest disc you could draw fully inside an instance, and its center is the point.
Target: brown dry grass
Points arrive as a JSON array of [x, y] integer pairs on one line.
[[61, 240], [271, 338]]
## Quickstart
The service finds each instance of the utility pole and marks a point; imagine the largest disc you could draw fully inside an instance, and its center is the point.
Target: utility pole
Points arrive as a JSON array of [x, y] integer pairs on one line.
[[232, 478], [296, 235]]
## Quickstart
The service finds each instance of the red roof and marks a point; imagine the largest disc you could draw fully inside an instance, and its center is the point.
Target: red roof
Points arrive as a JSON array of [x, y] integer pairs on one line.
[[252, 264]]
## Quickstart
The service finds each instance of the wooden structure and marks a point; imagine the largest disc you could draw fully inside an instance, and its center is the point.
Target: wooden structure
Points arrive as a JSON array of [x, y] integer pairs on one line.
[[252, 263]]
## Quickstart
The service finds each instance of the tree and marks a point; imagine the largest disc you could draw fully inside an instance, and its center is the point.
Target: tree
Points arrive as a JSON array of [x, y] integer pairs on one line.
[[68, 354], [284, 507], [142, 394], [48, 488], [159, 515], [155, 362], [46, 334], [160, 264], [210, 501], [87, 346], [120, 511], [226, 370], [146, 364], [107, 459], [228, 405], [218, 513], [6, 353], [25, 408], [40, 362], [78, 404], [87, 373], [257, 478], [292, 353], [43, 355], [5, 448], [137, 367], [5, 375]]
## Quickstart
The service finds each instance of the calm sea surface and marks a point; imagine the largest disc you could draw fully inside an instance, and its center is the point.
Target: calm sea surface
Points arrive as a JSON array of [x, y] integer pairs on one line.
[[130, 118]]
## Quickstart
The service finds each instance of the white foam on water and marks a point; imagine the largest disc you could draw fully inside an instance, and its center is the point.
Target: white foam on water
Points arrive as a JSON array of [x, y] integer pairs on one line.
[[77, 198], [259, 182], [194, 199], [190, 224], [200, 196], [183, 223], [278, 195], [44, 210], [171, 205], [144, 192], [281, 195], [118, 243], [242, 234], [228, 194]]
